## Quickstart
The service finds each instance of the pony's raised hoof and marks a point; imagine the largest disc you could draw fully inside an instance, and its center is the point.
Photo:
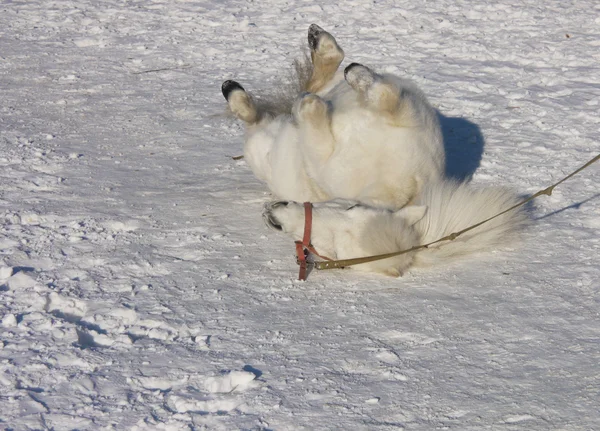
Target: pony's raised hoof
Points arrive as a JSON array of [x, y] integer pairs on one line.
[[229, 86], [359, 77], [240, 102], [323, 44], [314, 31]]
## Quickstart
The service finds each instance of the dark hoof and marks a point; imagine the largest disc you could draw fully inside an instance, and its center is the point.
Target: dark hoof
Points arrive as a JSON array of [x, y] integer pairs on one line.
[[314, 31], [350, 67], [359, 77], [228, 86]]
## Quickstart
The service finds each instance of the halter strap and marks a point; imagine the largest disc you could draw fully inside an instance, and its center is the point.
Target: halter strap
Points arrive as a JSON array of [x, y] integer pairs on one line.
[[304, 247]]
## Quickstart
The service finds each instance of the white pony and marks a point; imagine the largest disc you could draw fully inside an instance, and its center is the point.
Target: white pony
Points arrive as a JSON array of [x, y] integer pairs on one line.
[[357, 135], [341, 231]]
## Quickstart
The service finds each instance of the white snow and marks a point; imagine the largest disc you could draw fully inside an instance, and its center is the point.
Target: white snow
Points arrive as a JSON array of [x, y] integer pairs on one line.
[[231, 381], [140, 289]]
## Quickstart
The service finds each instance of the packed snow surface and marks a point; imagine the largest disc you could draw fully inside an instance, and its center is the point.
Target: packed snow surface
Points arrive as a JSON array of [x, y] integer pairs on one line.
[[141, 290]]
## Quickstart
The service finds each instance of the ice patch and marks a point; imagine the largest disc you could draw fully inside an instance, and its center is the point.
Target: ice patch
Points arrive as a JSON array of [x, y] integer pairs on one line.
[[118, 226], [201, 404], [32, 407], [156, 383], [20, 281], [72, 307], [233, 381], [31, 219], [203, 341], [409, 337], [518, 419], [154, 329], [91, 338], [69, 360], [9, 321], [387, 357], [457, 414], [65, 421], [5, 272], [87, 42], [110, 319], [6, 243]]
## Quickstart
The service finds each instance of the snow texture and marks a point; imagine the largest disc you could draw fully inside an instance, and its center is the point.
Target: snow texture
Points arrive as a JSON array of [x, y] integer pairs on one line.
[[140, 289]]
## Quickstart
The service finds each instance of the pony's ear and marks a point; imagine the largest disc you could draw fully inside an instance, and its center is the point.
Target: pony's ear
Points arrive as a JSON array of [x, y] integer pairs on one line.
[[412, 213]]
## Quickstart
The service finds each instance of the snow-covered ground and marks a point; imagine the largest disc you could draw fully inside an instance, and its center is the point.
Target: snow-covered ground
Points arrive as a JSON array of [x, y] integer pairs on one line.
[[140, 289]]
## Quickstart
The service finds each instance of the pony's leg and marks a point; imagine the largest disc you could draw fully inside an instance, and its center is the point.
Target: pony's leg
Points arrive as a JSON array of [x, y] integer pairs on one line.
[[314, 122], [326, 56], [378, 93], [240, 102], [397, 107]]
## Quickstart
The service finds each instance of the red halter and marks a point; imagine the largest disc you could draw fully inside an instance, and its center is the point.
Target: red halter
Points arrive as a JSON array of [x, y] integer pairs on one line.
[[304, 247]]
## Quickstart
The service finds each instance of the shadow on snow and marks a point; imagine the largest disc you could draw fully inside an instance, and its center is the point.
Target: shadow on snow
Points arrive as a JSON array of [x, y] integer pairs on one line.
[[463, 144]]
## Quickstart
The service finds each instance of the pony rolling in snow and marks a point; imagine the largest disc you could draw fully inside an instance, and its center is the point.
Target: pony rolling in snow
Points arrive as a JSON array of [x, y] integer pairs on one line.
[[357, 135], [341, 231]]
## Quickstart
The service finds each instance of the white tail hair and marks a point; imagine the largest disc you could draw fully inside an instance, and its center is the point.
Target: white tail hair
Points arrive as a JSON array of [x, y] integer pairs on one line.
[[454, 206]]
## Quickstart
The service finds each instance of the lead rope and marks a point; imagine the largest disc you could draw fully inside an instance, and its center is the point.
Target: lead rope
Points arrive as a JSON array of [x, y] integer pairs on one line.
[[303, 247]]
